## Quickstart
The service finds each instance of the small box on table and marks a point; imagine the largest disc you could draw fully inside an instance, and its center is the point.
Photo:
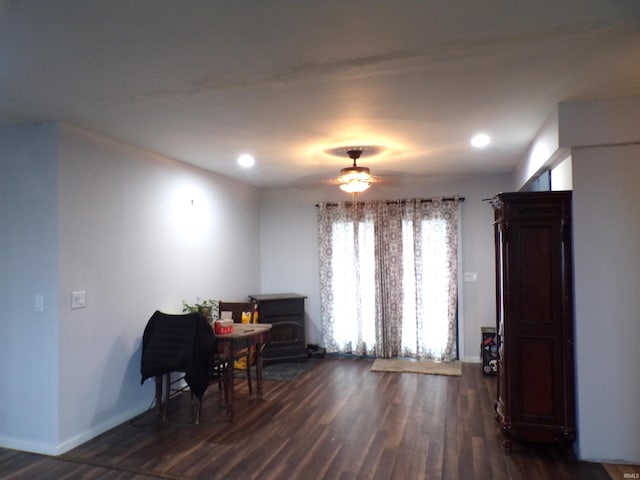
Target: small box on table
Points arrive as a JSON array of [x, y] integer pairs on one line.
[[223, 327]]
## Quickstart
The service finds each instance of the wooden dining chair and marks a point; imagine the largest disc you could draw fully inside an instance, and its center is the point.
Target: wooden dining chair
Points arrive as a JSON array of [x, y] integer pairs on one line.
[[177, 343], [237, 310]]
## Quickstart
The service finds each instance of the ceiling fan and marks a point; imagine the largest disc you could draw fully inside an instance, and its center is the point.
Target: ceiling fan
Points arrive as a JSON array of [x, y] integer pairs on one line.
[[355, 179]]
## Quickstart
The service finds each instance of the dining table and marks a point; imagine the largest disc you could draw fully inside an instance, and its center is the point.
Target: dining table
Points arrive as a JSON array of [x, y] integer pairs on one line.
[[242, 339]]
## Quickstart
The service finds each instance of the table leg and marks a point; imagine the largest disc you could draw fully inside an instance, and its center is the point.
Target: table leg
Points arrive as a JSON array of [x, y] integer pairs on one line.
[[259, 368], [229, 383]]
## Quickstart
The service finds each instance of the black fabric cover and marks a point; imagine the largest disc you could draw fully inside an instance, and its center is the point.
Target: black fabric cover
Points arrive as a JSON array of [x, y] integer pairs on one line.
[[178, 343]]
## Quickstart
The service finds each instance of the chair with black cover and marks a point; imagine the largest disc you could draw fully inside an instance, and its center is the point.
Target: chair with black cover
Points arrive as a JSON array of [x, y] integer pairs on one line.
[[178, 343], [240, 311]]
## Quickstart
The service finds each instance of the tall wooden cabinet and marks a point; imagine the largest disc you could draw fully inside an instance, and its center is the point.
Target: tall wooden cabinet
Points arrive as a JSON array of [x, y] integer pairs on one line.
[[534, 304]]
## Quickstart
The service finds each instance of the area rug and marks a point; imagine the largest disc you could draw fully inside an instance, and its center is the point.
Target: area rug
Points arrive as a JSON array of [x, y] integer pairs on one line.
[[413, 366]]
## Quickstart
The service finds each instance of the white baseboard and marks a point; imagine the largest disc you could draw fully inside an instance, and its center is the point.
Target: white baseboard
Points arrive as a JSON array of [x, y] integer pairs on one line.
[[65, 446], [27, 445], [472, 359], [99, 429]]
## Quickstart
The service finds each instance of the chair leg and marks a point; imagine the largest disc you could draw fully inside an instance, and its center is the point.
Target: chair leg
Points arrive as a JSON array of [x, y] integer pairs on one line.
[[197, 402], [167, 391], [158, 380]]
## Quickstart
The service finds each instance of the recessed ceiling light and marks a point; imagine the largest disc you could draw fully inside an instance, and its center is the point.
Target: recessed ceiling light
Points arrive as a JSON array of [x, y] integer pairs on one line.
[[246, 160], [481, 140]]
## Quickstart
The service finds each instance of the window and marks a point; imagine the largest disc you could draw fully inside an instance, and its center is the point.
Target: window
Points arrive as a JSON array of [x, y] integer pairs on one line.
[[388, 275]]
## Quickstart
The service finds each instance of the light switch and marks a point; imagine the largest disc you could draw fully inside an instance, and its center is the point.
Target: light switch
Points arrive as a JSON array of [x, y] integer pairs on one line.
[[38, 303], [78, 299]]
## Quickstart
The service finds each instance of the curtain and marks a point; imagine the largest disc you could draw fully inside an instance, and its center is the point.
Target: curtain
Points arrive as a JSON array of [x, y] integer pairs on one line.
[[388, 277]]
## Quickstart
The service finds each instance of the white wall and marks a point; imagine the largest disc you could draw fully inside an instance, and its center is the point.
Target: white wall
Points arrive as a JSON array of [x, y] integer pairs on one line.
[[604, 122], [606, 233], [562, 175], [606, 229], [606, 270], [289, 257], [118, 223], [540, 153], [28, 267]]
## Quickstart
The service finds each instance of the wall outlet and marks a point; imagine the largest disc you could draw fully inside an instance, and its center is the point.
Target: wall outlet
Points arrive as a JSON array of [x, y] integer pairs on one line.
[[471, 277]]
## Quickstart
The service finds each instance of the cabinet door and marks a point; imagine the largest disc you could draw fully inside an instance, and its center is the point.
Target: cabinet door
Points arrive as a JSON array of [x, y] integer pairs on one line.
[[536, 323]]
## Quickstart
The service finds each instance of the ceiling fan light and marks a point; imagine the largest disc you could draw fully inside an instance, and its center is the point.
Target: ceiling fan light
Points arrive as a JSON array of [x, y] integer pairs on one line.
[[355, 186], [354, 173], [355, 179]]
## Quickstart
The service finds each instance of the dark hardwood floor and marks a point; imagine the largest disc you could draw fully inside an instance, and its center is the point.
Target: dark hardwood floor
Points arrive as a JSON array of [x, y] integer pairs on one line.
[[338, 420]]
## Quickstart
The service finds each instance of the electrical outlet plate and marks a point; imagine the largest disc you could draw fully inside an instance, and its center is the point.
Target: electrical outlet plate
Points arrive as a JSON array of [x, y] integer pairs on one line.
[[78, 299], [471, 277], [38, 302]]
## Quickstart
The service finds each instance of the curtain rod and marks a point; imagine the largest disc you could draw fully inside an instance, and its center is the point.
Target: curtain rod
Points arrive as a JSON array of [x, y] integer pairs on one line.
[[424, 200]]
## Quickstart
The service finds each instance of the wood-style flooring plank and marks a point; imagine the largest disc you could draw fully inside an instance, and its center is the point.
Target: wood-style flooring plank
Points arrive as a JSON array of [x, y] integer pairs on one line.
[[336, 421]]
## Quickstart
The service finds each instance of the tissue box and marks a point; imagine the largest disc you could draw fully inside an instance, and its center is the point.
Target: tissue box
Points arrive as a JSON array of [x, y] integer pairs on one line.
[[222, 327]]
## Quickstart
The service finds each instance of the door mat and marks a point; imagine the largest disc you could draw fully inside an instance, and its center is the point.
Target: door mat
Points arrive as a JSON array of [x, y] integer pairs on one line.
[[413, 366]]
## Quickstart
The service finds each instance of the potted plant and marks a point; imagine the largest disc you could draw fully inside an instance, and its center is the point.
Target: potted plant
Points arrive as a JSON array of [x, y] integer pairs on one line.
[[207, 308]]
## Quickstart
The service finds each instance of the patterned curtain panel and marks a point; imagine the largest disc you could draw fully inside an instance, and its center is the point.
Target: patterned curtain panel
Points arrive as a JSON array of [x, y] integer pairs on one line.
[[347, 282], [388, 277], [430, 284]]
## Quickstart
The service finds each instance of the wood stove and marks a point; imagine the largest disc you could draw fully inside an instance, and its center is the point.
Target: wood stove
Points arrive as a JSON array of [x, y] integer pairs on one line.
[[285, 311]]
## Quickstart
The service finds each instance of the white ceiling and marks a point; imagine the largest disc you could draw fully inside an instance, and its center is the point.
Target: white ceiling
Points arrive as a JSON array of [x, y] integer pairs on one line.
[[203, 81]]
